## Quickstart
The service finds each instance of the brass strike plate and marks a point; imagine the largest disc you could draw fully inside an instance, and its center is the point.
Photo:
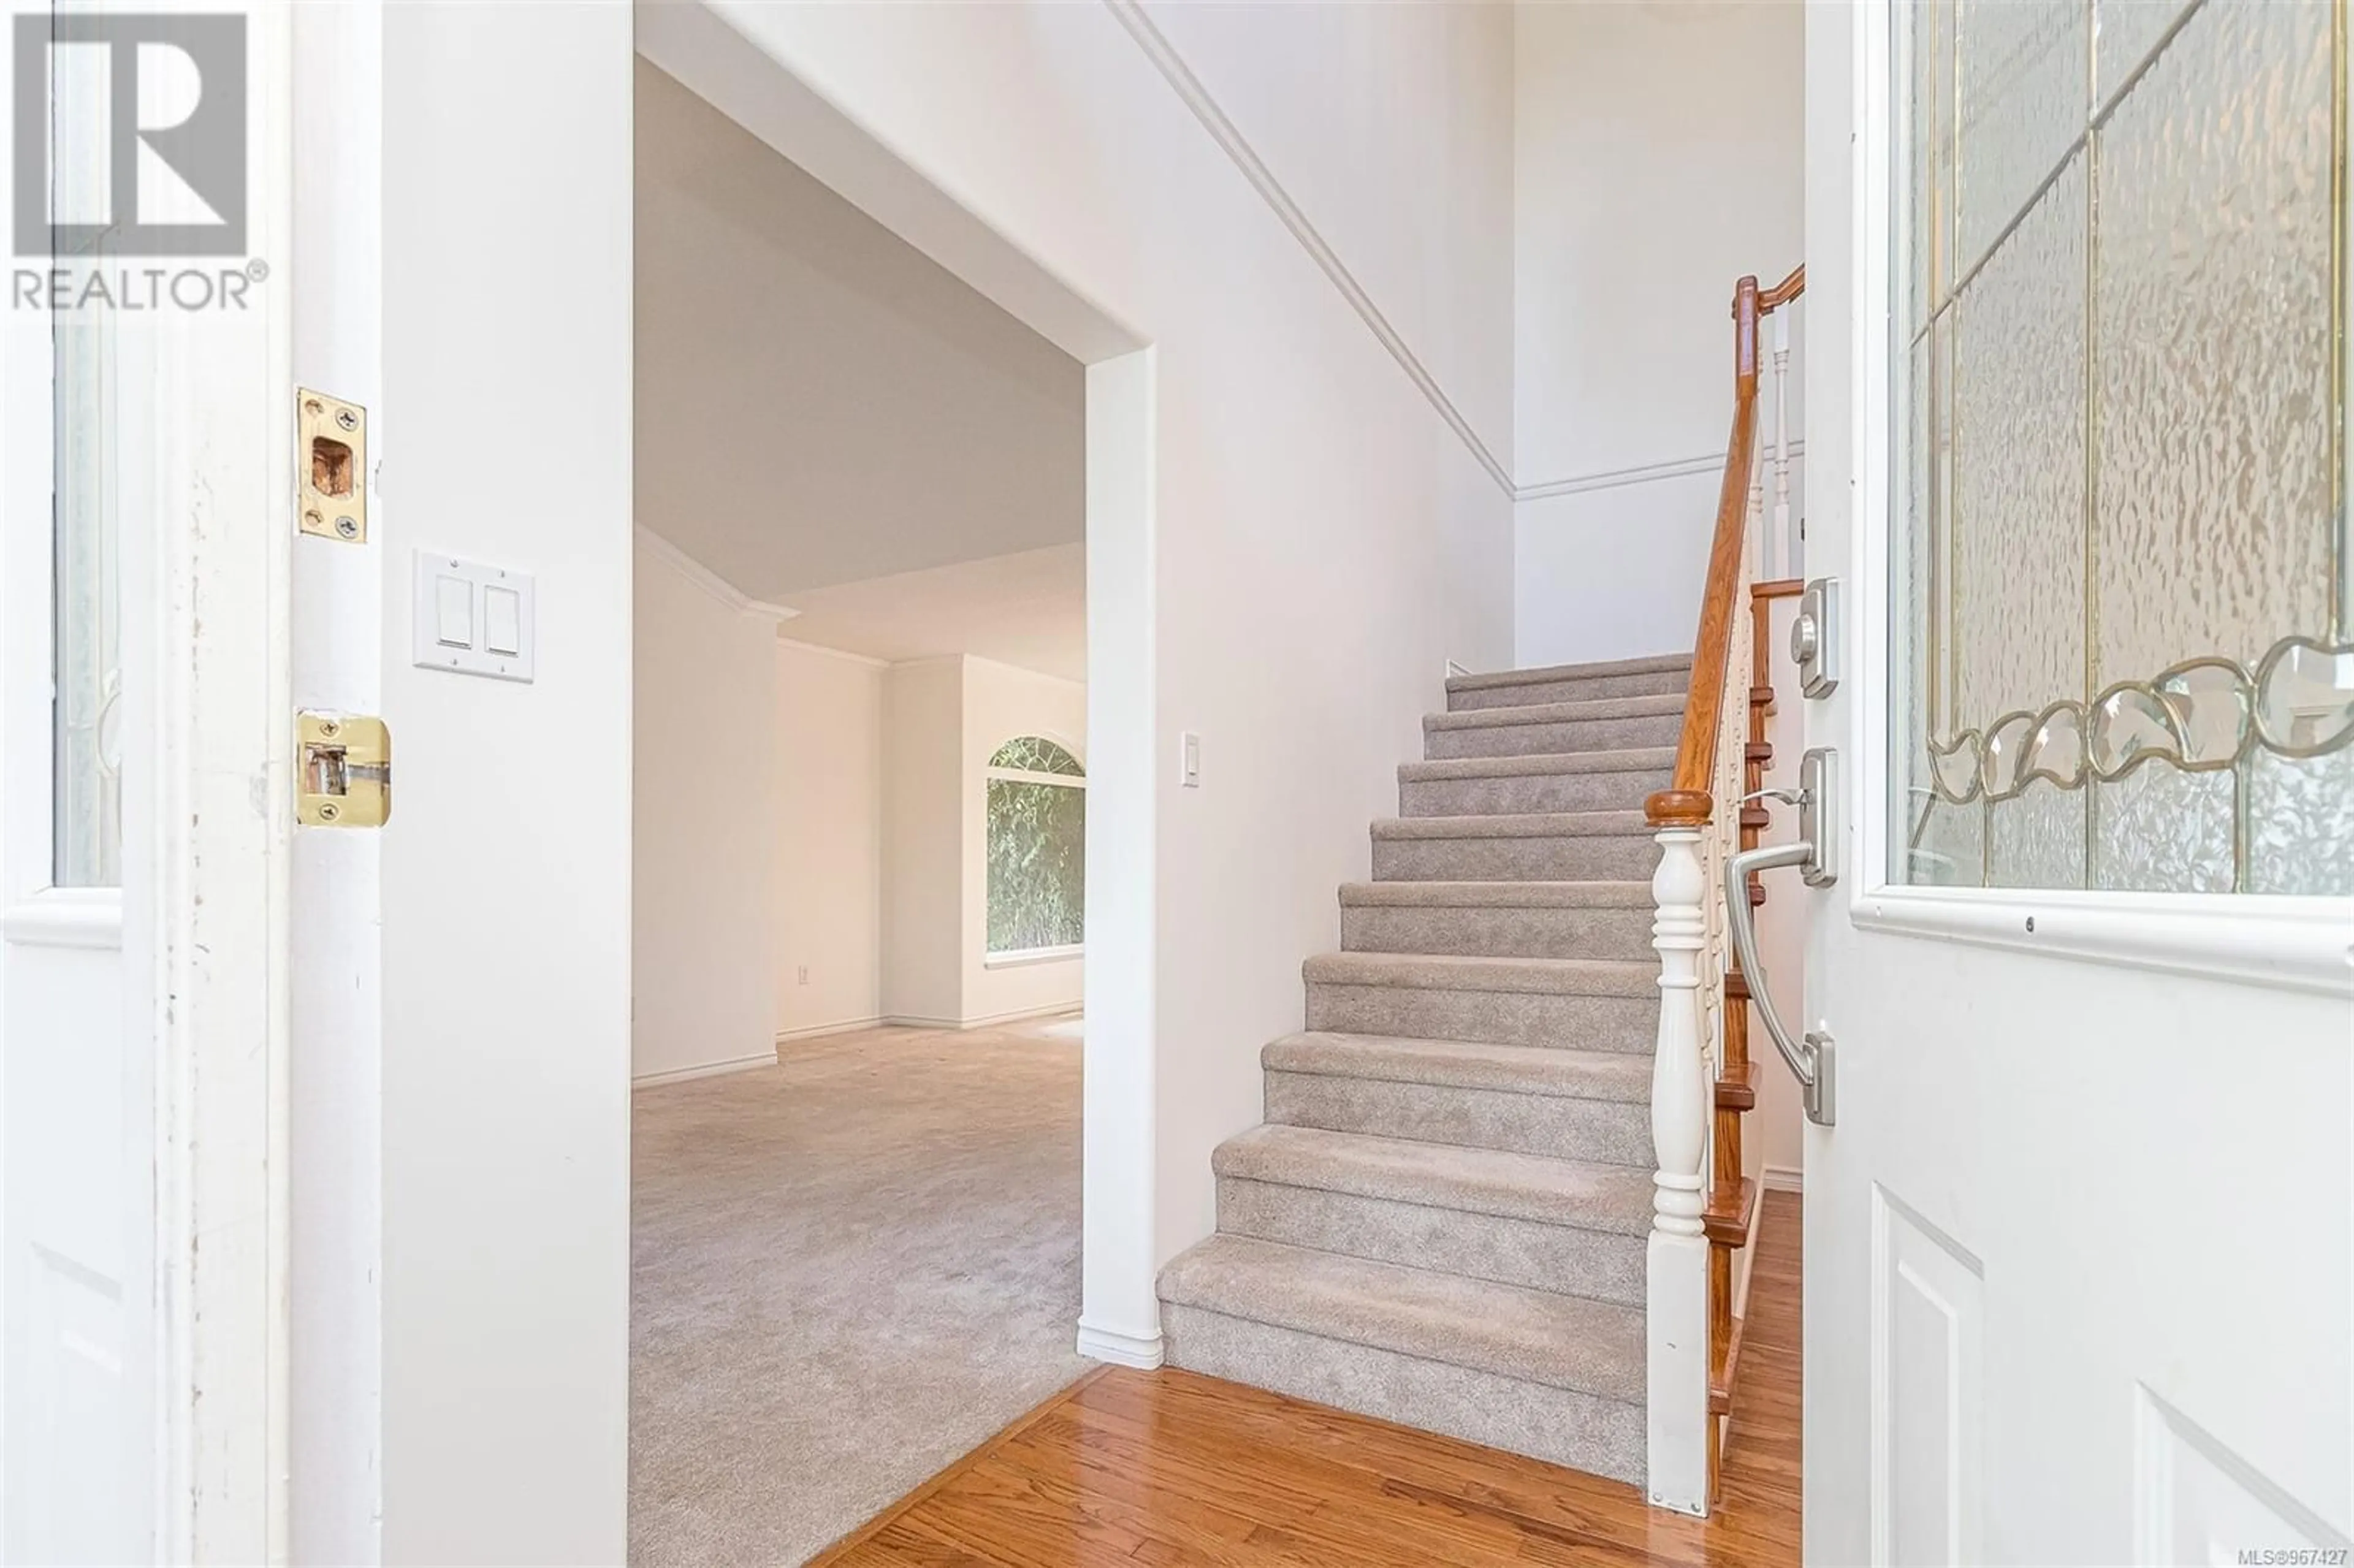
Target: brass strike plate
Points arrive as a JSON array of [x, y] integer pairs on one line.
[[333, 457], [342, 771]]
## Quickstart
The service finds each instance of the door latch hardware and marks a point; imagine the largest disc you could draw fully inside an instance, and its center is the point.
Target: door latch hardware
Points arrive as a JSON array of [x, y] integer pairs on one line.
[[333, 458], [1815, 638], [1816, 855], [342, 771]]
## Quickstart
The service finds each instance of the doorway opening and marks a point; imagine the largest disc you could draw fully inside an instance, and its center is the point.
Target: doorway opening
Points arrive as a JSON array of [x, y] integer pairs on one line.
[[883, 843]]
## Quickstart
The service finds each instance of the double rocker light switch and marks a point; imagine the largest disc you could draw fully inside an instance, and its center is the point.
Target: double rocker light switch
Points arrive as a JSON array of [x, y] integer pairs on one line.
[[473, 620]]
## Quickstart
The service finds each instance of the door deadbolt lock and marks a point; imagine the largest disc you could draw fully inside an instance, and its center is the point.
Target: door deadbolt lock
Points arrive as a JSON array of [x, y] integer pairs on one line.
[[1815, 638], [342, 771]]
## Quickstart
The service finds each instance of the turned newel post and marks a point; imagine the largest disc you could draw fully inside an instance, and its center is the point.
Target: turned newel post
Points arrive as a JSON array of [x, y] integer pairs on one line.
[[1677, 1262]]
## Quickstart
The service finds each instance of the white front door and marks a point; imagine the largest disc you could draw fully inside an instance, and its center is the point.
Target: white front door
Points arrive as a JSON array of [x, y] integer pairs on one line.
[[2080, 1246], [142, 793]]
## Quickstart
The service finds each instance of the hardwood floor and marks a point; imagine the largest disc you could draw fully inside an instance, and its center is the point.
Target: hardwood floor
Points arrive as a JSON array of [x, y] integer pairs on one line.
[[1171, 1467]]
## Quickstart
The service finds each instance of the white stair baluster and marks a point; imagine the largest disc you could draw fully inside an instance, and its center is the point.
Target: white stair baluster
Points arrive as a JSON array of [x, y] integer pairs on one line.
[[1677, 1261], [1783, 525]]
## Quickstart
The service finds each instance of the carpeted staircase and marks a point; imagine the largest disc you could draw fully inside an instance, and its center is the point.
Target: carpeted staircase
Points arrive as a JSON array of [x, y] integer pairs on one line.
[[1443, 1220]]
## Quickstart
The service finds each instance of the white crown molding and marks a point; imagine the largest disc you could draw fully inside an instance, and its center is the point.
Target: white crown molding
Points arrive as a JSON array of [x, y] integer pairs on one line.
[[1643, 473], [844, 654], [709, 581], [1171, 66]]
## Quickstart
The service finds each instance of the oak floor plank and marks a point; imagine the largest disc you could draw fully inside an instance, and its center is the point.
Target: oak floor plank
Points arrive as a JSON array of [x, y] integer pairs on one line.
[[1131, 1469]]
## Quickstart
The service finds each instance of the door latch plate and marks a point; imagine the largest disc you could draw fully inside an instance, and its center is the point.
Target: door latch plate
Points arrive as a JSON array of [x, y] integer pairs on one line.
[[342, 771], [333, 457]]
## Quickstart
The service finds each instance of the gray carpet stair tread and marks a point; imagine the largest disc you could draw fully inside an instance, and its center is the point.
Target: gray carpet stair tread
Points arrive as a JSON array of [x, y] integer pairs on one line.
[[1496, 895], [1559, 1341], [1625, 759], [1544, 674], [1616, 1198], [1518, 825], [1540, 977], [1556, 712], [1618, 1076]]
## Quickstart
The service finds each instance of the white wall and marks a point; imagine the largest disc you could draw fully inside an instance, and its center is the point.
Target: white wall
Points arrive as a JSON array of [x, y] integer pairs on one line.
[[504, 437], [923, 841], [1001, 702], [828, 808], [704, 846], [1659, 152]]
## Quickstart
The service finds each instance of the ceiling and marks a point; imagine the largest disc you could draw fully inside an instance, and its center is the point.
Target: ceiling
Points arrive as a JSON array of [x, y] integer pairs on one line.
[[818, 403], [1028, 609]]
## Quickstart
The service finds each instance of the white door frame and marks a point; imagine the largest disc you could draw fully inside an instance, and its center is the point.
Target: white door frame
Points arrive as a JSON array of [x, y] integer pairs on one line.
[[220, 816], [202, 918]]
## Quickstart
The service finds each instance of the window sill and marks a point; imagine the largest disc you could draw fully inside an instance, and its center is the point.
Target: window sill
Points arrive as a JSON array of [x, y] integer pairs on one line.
[[1021, 958]]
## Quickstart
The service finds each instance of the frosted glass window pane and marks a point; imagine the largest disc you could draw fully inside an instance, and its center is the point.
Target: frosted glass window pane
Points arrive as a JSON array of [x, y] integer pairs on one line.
[[1949, 847], [2118, 476], [2038, 839], [2301, 823], [2214, 315], [1928, 41], [2124, 32], [2022, 93], [1037, 842], [2162, 830], [87, 804], [2019, 479]]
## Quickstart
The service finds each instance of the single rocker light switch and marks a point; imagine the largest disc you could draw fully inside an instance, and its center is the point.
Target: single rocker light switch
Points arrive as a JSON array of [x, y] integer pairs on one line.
[[454, 606], [502, 620]]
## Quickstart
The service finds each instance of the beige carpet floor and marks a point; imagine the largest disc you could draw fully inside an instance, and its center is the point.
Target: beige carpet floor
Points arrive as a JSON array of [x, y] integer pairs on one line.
[[847, 1270]]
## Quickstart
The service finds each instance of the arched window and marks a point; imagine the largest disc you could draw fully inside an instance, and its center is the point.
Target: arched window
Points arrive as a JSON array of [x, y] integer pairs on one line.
[[1037, 847]]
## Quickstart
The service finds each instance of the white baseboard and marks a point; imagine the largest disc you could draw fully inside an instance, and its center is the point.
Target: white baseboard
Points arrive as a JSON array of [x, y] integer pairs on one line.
[[707, 1070], [1119, 1349], [1783, 1179], [1019, 1015], [812, 1031]]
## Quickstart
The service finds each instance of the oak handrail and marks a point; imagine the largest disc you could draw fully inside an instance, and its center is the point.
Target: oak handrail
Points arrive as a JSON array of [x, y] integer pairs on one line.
[[1685, 801]]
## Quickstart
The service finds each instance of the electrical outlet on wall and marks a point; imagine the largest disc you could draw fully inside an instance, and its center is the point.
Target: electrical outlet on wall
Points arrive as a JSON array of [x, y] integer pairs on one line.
[[804, 974]]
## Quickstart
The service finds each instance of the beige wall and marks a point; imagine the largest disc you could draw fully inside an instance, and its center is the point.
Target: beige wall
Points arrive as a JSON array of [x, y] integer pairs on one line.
[[923, 841], [702, 906], [828, 809]]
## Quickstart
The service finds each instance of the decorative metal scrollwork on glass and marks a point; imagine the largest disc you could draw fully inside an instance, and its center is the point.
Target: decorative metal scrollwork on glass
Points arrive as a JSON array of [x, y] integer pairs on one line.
[[2201, 716]]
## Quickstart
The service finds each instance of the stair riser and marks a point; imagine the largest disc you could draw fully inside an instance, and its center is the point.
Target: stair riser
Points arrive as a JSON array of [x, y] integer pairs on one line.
[[1602, 1264], [1614, 1132], [1615, 857], [1486, 933], [1563, 1427], [1582, 688], [1527, 793], [1547, 739], [1496, 1018]]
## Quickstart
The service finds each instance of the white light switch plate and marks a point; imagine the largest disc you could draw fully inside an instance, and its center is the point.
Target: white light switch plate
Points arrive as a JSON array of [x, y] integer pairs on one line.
[[473, 620]]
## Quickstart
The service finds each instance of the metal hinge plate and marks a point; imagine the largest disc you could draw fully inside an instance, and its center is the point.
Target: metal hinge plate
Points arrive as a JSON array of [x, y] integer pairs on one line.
[[342, 771]]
